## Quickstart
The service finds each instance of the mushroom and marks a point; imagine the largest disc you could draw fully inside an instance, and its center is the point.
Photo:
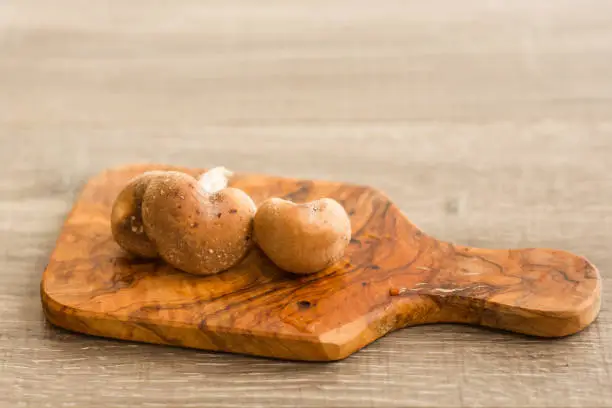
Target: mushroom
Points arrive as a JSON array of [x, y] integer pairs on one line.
[[302, 238], [200, 227], [126, 217]]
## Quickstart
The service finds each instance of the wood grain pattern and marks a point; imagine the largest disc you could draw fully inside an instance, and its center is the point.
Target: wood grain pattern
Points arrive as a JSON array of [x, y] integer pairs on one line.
[[392, 276], [487, 122]]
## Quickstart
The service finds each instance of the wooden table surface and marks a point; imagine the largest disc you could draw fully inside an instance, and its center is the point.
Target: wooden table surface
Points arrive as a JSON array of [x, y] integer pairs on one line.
[[488, 122]]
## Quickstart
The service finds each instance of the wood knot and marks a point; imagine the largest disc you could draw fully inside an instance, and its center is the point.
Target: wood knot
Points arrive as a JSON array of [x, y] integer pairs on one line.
[[304, 304]]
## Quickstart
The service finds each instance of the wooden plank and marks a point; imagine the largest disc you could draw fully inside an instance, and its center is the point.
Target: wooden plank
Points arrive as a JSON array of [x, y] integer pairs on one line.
[[486, 122]]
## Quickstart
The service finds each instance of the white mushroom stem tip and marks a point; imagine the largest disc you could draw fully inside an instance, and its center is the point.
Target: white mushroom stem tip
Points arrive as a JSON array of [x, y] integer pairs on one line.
[[216, 179]]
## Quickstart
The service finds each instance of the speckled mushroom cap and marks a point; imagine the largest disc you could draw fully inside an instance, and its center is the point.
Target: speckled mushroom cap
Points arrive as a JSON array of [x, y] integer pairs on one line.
[[198, 232], [126, 217]]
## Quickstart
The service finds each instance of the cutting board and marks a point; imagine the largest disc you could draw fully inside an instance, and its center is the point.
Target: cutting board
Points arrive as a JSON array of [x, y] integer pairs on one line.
[[393, 275]]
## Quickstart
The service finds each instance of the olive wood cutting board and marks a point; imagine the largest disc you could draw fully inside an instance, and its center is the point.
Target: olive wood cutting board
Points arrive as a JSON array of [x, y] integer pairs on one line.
[[393, 275]]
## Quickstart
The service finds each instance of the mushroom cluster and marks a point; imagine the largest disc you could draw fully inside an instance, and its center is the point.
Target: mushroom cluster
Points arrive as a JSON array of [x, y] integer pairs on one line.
[[203, 227]]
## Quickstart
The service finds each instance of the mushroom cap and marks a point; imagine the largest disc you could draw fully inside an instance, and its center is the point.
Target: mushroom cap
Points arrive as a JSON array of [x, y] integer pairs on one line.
[[302, 238], [126, 217], [195, 231]]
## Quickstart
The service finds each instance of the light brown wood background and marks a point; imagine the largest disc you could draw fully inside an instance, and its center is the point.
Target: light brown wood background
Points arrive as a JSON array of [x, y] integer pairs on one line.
[[488, 122]]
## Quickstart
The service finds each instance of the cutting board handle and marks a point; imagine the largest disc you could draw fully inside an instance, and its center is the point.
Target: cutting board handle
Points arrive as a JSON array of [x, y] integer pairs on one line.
[[540, 292]]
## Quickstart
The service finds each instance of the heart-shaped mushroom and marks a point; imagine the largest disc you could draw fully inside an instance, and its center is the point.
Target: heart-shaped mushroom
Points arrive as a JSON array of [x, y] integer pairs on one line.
[[199, 227], [302, 238]]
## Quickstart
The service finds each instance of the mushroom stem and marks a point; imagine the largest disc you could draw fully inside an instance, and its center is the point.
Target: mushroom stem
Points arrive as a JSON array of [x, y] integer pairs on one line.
[[215, 179]]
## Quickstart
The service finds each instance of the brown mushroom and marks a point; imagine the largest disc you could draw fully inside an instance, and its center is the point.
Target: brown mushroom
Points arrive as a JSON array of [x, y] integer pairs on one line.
[[302, 238], [126, 217], [194, 227]]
